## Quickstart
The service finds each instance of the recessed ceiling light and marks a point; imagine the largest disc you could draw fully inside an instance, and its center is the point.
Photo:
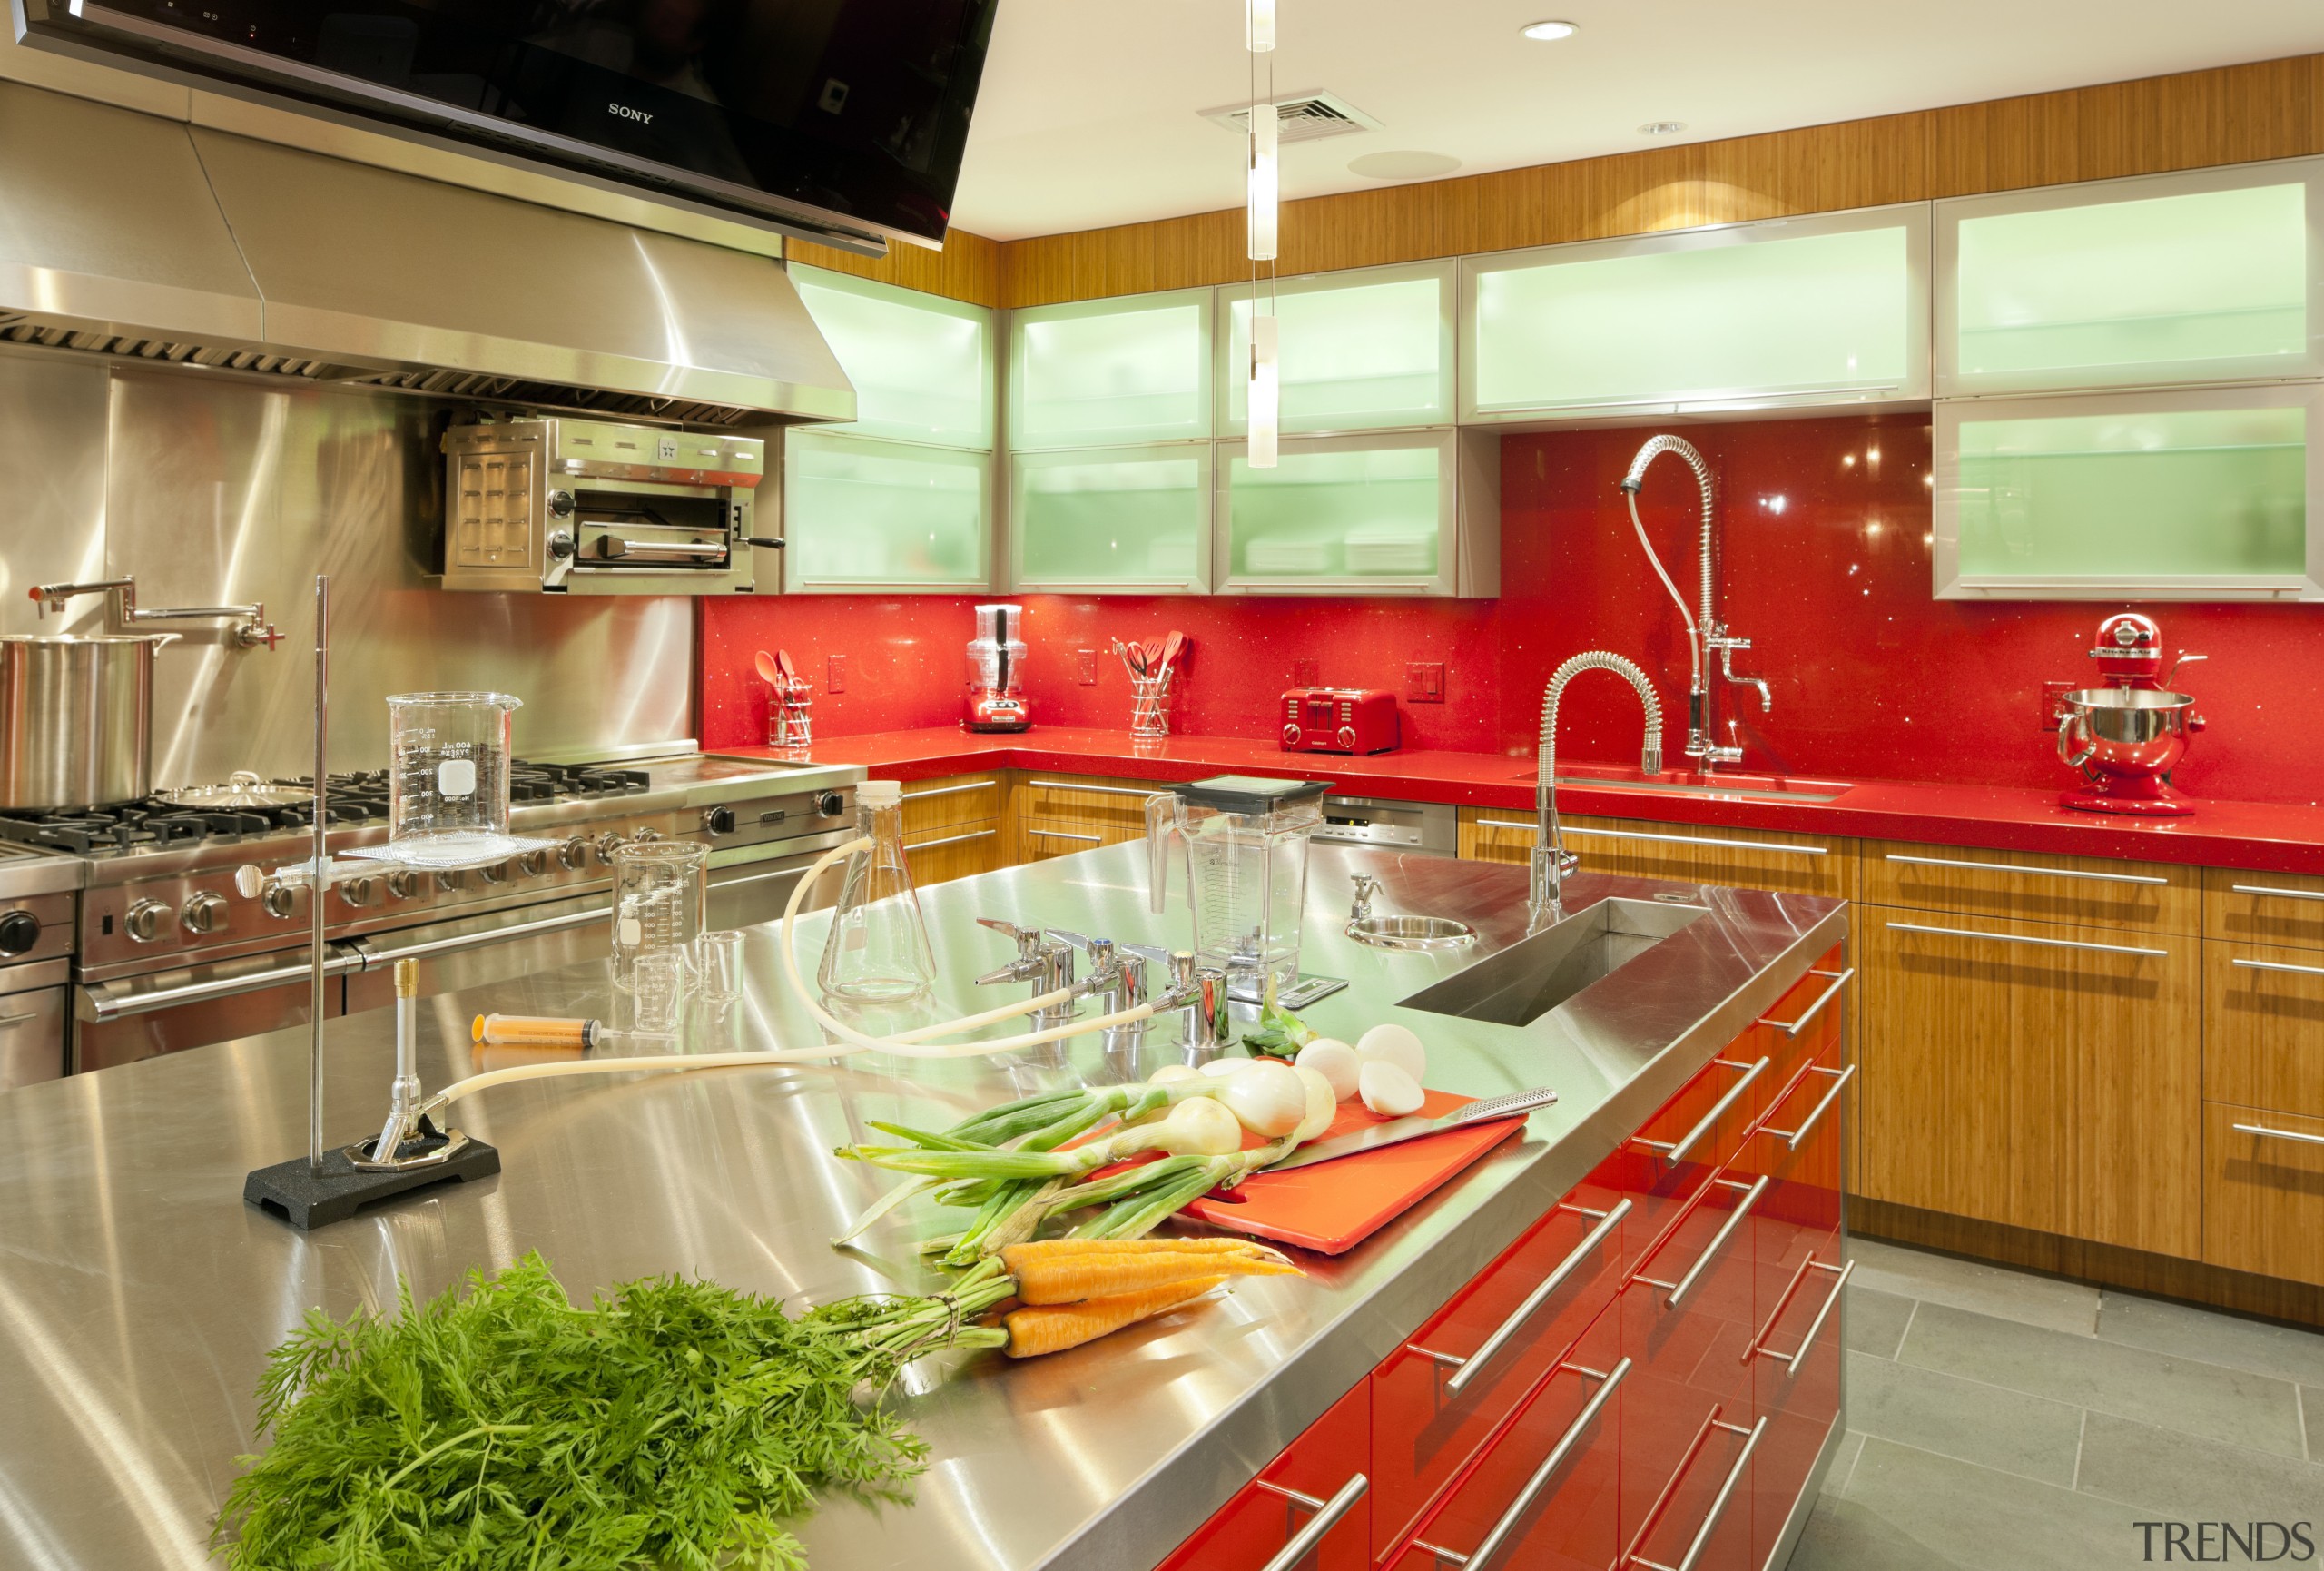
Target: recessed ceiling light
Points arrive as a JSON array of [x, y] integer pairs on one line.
[[1662, 128], [1549, 32]]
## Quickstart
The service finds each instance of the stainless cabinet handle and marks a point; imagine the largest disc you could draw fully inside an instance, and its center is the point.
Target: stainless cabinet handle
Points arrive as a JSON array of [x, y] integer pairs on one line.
[[2261, 1129], [1466, 1370], [1327, 1516], [1630, 1556], [1101, 790], [1062, 835], [1675, 1151], [1759, 1349], [2036, 872], [1735, 1219], [1506, 1526], [101, 1001], [2278, 965], [9, 1020], [2277, 894], [952, 839], [1671, 839], [2016, 938], [1792, 1137], [951, 790], [1794, 1027], [485, 938]]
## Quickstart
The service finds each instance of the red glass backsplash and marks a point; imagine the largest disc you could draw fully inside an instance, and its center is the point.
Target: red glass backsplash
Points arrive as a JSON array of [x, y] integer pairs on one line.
[[1825, 528]]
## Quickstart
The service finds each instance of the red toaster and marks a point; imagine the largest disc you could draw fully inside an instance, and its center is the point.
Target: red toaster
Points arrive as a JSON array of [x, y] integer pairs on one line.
[[1339, 720]]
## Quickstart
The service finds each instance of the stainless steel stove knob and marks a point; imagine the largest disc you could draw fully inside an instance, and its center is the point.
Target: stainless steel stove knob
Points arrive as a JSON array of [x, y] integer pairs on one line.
[[719, 820], [404, 885], [203, 914], [647, 833], [494, 873], [451, 880], [574, 852], [533, 863], [360, 891], [143, 921], [19, 931], [607, 844], [276, 900], [829, 804]]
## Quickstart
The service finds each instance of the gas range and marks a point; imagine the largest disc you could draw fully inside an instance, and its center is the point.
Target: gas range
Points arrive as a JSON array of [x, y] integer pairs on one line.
[[162, 924]]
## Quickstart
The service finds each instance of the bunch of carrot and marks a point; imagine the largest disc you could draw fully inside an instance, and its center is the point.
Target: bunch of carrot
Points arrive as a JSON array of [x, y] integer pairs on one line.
[[1075, 1290]]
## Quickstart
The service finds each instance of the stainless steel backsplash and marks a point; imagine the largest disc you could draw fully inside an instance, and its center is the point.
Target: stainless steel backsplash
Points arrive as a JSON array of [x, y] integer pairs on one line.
[[213, 490]]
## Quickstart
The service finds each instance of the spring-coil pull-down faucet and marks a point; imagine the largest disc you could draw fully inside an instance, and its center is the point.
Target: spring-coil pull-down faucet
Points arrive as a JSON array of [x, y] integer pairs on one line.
[[1552, 860], [1704, 633]]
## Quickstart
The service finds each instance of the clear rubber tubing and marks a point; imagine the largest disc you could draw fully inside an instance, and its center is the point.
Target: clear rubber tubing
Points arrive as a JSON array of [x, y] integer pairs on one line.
[[914, 1043]]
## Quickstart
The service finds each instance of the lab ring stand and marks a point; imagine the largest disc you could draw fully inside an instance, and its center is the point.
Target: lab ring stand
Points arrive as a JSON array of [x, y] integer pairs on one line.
[[409, 1153]]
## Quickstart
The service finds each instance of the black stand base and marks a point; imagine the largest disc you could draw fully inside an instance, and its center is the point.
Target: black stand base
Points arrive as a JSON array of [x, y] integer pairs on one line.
[[291, 1193]]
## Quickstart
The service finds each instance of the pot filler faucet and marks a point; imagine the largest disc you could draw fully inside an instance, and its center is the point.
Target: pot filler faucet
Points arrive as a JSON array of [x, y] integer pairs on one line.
[[1552, 860], [255, 628], [1706, 634]]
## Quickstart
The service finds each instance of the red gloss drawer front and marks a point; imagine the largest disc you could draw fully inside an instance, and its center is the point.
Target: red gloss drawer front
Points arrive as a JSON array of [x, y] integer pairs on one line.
[[1436, 1398], [1542, 1493], [1663, 1168], [1315, 1473]]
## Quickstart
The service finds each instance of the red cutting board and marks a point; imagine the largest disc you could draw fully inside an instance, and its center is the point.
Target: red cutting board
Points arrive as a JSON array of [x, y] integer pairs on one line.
[[1333, 1206]]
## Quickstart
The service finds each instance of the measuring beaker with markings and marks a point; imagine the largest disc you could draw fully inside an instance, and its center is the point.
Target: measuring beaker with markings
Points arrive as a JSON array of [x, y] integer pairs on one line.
[[660, 900], [448, 771]]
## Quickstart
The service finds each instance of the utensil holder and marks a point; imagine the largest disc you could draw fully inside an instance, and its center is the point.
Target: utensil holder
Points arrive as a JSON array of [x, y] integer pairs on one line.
[[1149, 709], [788, 722]]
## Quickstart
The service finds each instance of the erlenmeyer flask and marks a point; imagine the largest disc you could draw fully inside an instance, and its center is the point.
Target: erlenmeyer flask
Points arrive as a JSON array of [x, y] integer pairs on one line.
[[877, 949]]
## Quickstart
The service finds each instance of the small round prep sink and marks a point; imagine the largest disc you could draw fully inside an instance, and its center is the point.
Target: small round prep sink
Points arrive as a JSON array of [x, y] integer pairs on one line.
[[1412, 932]]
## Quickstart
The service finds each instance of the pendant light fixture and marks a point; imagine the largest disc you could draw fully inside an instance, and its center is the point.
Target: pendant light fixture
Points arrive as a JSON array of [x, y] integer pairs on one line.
[[1262, 195]]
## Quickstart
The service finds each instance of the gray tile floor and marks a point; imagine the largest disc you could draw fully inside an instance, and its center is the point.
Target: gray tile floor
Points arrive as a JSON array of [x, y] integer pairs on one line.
[[2002, 1421]]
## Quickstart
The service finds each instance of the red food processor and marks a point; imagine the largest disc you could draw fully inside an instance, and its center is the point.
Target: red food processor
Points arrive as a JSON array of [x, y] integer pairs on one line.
[[2127, 735]]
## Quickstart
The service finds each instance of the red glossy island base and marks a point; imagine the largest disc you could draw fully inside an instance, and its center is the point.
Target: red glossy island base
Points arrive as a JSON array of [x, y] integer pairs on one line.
[[1648, 1379]]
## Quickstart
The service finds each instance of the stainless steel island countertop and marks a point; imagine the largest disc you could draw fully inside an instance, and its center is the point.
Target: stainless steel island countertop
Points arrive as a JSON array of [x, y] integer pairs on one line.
[[139, 1296]]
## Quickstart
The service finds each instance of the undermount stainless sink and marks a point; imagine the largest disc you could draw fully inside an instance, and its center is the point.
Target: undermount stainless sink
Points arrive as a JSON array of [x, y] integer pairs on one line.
[[1733, 787], [1535, 975], [1408, 932]]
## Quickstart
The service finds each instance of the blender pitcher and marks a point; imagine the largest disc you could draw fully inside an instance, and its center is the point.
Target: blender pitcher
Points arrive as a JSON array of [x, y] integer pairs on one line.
[[1246, 842]]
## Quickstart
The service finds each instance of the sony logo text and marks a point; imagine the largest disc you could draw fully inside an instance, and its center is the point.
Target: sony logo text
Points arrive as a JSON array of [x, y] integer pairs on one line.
[[626, 113]]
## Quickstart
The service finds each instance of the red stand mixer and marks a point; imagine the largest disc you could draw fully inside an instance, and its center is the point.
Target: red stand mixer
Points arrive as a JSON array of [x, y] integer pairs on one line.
[[2126, 737]]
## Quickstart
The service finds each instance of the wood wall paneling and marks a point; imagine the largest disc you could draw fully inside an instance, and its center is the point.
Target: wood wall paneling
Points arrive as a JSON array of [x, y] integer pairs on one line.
[[968, 268], [2195, 119]]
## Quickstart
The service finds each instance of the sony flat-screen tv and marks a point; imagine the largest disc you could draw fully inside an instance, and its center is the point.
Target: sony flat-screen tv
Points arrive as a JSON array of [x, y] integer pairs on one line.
[[849, 115]]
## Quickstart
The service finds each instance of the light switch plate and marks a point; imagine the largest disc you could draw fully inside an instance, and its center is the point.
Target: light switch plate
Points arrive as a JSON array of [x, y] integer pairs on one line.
[[1089, 667], [835, 673], [2053, 707], [1424, 682], [1302, 674]]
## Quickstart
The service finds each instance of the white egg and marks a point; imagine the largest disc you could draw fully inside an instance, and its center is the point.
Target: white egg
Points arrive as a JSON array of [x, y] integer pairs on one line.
[[1395, 1044], [1335, 1061], [1387, 1089]]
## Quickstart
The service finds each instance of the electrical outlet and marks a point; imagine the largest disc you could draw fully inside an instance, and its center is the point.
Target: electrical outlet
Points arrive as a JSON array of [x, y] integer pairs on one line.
[[1424, 682], [1302, 674], [1089, 667], [835, 673], [2053, 702]]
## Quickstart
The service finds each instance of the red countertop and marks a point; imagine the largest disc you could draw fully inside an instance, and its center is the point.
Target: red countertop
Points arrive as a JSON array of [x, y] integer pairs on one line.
[[2253, 836]]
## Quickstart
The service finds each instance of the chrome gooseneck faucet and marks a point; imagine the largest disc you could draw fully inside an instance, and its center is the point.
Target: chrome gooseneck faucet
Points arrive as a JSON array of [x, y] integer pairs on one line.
[[1552, 860], [1706, 634]]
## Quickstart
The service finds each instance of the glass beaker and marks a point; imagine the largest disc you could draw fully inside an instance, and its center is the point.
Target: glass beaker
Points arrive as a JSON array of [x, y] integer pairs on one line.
[[448, 772], [1246, 841], [877, 949], [661, 900]]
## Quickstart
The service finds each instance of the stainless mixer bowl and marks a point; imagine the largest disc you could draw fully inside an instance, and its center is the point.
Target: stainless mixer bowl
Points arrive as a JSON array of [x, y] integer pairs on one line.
[[2124, 730]]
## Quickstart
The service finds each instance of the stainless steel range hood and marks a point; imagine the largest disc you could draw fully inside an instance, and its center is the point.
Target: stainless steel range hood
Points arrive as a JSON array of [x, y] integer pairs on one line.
[[134, 237]]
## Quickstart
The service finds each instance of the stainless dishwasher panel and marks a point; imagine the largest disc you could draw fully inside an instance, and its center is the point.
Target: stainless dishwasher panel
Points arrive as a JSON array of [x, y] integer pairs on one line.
[[120, 1021], [745, 891], [494, 947], [1427, 828]]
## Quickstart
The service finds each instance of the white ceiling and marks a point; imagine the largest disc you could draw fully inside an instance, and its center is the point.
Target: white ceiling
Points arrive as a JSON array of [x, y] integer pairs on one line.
[[1089, 111]]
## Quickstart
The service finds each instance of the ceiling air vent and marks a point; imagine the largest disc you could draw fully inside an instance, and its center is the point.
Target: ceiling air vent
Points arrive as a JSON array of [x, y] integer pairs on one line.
[[1299, 117]]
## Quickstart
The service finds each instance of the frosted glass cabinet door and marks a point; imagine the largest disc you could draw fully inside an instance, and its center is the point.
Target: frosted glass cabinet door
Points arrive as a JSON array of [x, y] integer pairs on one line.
[[1107, 372], [1114, 518], [1355, 514], [2204, 495], [860, 514], [922, 364], [1806, 311], [1361, 351], [2177, 278]]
